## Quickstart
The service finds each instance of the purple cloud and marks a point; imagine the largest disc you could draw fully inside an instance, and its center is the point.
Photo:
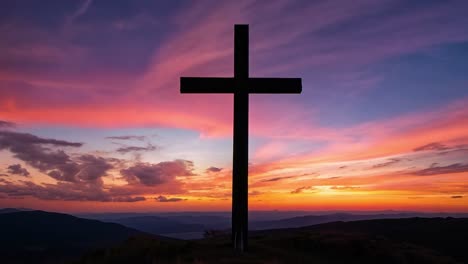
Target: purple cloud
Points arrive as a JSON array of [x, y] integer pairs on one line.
[[386, 164], [37, 153], [160, 173], [129, 199], [79, 177], [127, 149], [128, 137], [10, 139], [163, 199], [64, 191], [18, 170], [435, 170], [432, 146], [213, 169]]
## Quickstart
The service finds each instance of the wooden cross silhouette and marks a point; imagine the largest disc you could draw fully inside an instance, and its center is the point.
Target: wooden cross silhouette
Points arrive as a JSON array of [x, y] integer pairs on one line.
[[241, 86]]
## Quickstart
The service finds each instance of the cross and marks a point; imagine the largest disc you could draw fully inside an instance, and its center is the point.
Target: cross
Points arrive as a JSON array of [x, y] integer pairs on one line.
[[241, 86]]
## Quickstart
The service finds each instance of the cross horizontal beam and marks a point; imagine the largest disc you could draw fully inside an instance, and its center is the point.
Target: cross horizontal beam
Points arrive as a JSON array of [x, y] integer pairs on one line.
[[228, 85], [274, 85], [206, 85]]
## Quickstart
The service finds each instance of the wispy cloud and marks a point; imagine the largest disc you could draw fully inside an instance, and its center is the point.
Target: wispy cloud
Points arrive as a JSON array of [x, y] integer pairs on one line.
[[127, 149], [436, 170], [432, 146], [79, 12], [128, 137], [6, 124], [336, 43], [386, 164], [301, 189], [277, 179]]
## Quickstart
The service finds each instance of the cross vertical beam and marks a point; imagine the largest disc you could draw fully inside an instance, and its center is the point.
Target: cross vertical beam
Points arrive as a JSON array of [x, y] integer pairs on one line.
[[241, 138], [241, 85]]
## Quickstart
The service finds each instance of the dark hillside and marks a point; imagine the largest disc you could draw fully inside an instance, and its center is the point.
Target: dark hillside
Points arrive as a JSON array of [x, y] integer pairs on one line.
[[413, 240], [34, 236]]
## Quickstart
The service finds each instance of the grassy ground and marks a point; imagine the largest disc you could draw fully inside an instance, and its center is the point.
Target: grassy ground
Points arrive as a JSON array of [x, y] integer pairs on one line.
[[326, 244]]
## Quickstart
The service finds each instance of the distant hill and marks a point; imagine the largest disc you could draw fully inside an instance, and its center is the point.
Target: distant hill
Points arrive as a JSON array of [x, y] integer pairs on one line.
[[207, 221], [8, 210], [320, 219], [38, 236], [412, 240], [189, 225], [157, 225], [13, 210]]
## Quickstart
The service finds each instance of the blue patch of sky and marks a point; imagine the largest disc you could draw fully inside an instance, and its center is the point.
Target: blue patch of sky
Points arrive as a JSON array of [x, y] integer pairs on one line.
[[412, 83]]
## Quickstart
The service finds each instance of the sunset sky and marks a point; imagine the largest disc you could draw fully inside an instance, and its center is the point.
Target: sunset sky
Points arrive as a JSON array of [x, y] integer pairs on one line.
[[92, 120]]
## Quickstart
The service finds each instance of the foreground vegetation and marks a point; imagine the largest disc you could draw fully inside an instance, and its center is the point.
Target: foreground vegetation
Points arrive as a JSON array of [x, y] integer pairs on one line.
[[374, 241]]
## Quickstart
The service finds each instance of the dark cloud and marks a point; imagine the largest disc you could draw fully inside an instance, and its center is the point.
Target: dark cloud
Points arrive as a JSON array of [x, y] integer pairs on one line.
[[10, 139], [92, 167], [301, 189], [435, 169], [277, 179], [64, 191], [61, 191], [127, 149], [37, 153], [129, 199], [129, 137], [163, 199], [213, 169], [456, 197], [160, 173], [386, 164], [79, 177], [18, 170], [432, 146], [458, 148], [82, 168], [6, 124]]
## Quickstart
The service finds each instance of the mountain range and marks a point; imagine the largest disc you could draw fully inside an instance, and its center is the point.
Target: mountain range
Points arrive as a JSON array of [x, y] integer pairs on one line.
[[191, 225], [29, 236]]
